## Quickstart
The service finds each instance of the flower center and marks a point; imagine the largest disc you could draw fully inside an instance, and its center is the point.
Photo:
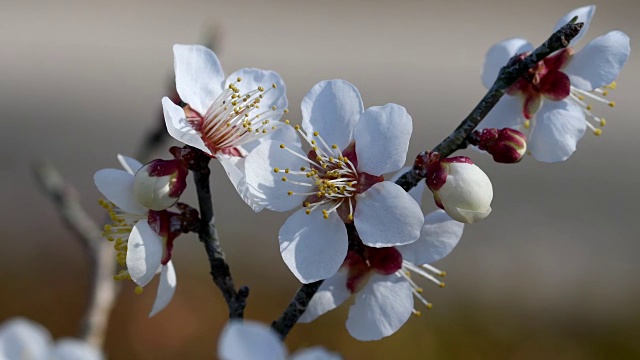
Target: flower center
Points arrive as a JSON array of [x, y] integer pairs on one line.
[[331, 177], [234, 118]]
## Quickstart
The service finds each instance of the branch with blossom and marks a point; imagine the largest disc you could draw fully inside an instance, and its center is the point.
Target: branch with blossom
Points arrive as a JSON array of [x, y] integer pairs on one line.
[[352, 233]]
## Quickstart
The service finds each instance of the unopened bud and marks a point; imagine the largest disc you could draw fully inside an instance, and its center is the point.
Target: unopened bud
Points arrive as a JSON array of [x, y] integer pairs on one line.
[[460, 188], [507, 146], [159, 184]]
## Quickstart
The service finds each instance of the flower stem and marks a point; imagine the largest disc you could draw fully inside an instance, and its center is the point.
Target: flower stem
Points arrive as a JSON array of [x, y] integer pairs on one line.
[[506, 77], [208, 234]]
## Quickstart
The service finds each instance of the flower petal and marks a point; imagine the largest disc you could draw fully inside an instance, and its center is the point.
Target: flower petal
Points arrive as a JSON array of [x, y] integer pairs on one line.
[[386, 215], [558, 127], [439, 235], [22, 338], [131, 165], [381, 308], [178, 126], [74, 349], [271, 96], [266, 184], [144, 252], [600, 62], [498, 56], [315, 353], [382, 139], [313, 247], [508, 113], [332, 108], [417, 191], [117, 187], [234, 167], [166, 288], [249, 340], [199, 75], [584, 15], [330, 295]]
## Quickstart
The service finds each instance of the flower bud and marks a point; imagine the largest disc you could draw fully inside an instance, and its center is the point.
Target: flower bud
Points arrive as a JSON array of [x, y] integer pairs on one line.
[[507, 146], [460, 188], [159, 184]]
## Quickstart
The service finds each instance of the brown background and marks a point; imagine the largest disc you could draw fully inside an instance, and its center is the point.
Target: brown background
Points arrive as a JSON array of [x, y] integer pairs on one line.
[[553, 272]]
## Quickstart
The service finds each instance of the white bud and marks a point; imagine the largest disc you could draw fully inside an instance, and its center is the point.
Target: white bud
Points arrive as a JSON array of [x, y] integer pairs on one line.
[[153, 191], [466, 193]]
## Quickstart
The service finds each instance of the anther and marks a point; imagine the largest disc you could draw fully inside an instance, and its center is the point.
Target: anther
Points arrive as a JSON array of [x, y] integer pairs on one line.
[[138, 290], [597, 132]]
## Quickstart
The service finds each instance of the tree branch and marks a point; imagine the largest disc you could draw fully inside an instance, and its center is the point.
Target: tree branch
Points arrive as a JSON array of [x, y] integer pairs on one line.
[[208, 234], [296, 308], [102, 293], [507, 76]]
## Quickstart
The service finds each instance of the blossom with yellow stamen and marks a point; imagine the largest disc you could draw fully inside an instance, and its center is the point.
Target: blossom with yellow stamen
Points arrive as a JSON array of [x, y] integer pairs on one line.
[[339, 180], [143, 237], [224, 118], [554, 100]]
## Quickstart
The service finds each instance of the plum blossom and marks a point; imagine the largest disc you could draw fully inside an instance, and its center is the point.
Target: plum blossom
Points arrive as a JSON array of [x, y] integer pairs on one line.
[[338, 181], [224, 118], [142, 237], [554, 98], [21, 338], [249, 340], [380, 279]]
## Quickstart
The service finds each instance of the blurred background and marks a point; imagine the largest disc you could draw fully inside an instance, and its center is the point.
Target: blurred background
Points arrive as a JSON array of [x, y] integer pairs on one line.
[[552, 273]]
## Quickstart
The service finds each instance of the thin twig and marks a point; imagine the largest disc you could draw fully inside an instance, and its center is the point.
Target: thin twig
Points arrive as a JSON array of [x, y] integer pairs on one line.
[[102, 293], [208, 234], [507, 76]]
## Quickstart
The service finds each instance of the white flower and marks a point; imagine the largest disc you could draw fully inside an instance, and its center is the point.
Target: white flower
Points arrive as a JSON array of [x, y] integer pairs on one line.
[[250, 340], [339, 181], [21, 338], [224, 118], [142, 237], [380, 279], [553, 98], [460, 188]]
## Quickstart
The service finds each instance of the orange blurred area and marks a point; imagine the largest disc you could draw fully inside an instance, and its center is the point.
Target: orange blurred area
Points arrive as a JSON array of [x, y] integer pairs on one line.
[[552, 273]]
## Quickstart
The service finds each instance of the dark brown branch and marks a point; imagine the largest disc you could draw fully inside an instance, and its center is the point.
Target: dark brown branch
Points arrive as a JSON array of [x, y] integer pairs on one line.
[[507, 76], [102, 293], [296, 308], [208, 234]]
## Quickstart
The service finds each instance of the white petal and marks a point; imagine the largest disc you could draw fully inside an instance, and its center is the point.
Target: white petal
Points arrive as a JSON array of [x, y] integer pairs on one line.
[[600, 62], [313, 247], [179, 128], [386, 215], [381, 308], [584, 15], [315, 353], [131, 165], [234, 167], [144, 252], [252, 79], [250, 340], [166, 288], [117, 187], [508, 113], [199, 75], [332, 107], [498, 56], [267, 184], [417, 191], [74, 349], [21, 338], [439, 235], [330, 295], [382, 139], [558, 127]]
